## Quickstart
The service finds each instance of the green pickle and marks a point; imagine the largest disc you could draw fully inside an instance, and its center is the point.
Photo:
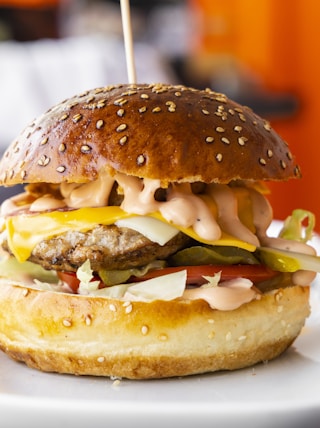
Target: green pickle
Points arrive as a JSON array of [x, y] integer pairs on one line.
[[218, 255], [288, 261], [278, 260]]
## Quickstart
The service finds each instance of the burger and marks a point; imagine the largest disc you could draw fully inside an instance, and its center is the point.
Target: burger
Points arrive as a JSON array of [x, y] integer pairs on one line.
[[139, 247]]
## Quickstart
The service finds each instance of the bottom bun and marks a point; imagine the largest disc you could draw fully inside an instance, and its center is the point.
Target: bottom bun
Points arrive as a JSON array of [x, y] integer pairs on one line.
[[82, 335]]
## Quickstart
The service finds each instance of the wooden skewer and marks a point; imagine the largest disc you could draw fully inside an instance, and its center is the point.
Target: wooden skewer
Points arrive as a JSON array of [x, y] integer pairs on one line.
[[128, 42]]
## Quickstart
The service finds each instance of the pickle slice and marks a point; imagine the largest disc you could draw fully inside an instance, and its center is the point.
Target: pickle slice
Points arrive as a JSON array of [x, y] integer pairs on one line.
[[288, 261]]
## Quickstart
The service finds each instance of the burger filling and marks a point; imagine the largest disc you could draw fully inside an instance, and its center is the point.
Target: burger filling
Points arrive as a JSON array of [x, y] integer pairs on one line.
[[141, 239]]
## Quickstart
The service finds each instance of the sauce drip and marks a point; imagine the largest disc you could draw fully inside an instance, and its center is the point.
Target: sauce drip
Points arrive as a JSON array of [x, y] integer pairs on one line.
[[209, 214]]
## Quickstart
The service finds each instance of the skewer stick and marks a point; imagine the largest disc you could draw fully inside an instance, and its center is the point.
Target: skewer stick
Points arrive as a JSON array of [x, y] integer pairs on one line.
[[128, 42]]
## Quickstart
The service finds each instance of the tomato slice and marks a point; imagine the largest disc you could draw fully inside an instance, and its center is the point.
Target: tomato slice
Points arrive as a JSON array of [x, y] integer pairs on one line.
[[195, 274], [71, 279]]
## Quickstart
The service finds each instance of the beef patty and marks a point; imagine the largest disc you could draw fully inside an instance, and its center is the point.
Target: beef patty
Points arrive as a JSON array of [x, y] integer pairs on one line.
[[107, 247]]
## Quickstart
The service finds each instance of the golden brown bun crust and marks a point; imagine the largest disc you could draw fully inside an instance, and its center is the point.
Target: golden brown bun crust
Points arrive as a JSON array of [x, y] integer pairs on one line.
[[96, 336], [172, 133]]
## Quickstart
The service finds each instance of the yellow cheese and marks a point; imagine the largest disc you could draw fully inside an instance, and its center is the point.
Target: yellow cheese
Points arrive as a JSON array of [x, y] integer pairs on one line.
[[25, 231]]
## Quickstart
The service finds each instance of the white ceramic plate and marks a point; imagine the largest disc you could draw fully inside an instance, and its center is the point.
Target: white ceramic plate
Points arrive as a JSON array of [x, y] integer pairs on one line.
[[281, 393]]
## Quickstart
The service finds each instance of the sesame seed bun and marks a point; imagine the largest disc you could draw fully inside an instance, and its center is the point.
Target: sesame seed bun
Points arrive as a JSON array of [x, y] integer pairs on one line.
[[171, 133], [107, 337]]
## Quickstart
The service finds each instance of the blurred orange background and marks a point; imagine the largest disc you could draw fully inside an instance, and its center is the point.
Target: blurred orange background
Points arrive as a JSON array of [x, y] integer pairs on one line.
[[279, 41]]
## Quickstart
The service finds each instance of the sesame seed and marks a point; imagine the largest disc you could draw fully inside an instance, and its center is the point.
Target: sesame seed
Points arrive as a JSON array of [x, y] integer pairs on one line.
[[83, 94], [242, 117], [123, 140], [241, 338], [225, 140], [44, 141], [269, 153], [120, 102], [220, 129], [221, 98], [99, 124], [205, 112], [144, 330], [85, 149], [121, 112], [112, 308], [101, 104], [142, 109], [76, 117], [71, 105], [144, 96], [289, 156], [262, 161], [131, 92], [25, 292], [156, 110], [177, 94], [100, 359], [64, 117], [219, 157], [23, 174], [121, 127], [128, 309], [283, 164], [231, 111], [242, 141], [209, 140], [160, 90], [267, 126], [126, 303], [44, 160], [61, 168], [171, 106], [163, 337], [141, 159], [237, 128], [116, 382], [67, 322], [88, 320]]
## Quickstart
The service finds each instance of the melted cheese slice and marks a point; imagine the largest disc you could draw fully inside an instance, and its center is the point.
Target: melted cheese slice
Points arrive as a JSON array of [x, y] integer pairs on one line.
[[25, 231]]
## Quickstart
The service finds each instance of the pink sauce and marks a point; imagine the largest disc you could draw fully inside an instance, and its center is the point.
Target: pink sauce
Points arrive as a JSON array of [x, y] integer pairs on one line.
[[185, 209]]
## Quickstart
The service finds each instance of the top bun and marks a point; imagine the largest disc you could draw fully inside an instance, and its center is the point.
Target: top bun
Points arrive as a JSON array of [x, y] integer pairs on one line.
[[171, 133]]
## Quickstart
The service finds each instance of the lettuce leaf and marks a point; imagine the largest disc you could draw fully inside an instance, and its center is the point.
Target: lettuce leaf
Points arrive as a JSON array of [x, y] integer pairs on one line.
[[293, 228]]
